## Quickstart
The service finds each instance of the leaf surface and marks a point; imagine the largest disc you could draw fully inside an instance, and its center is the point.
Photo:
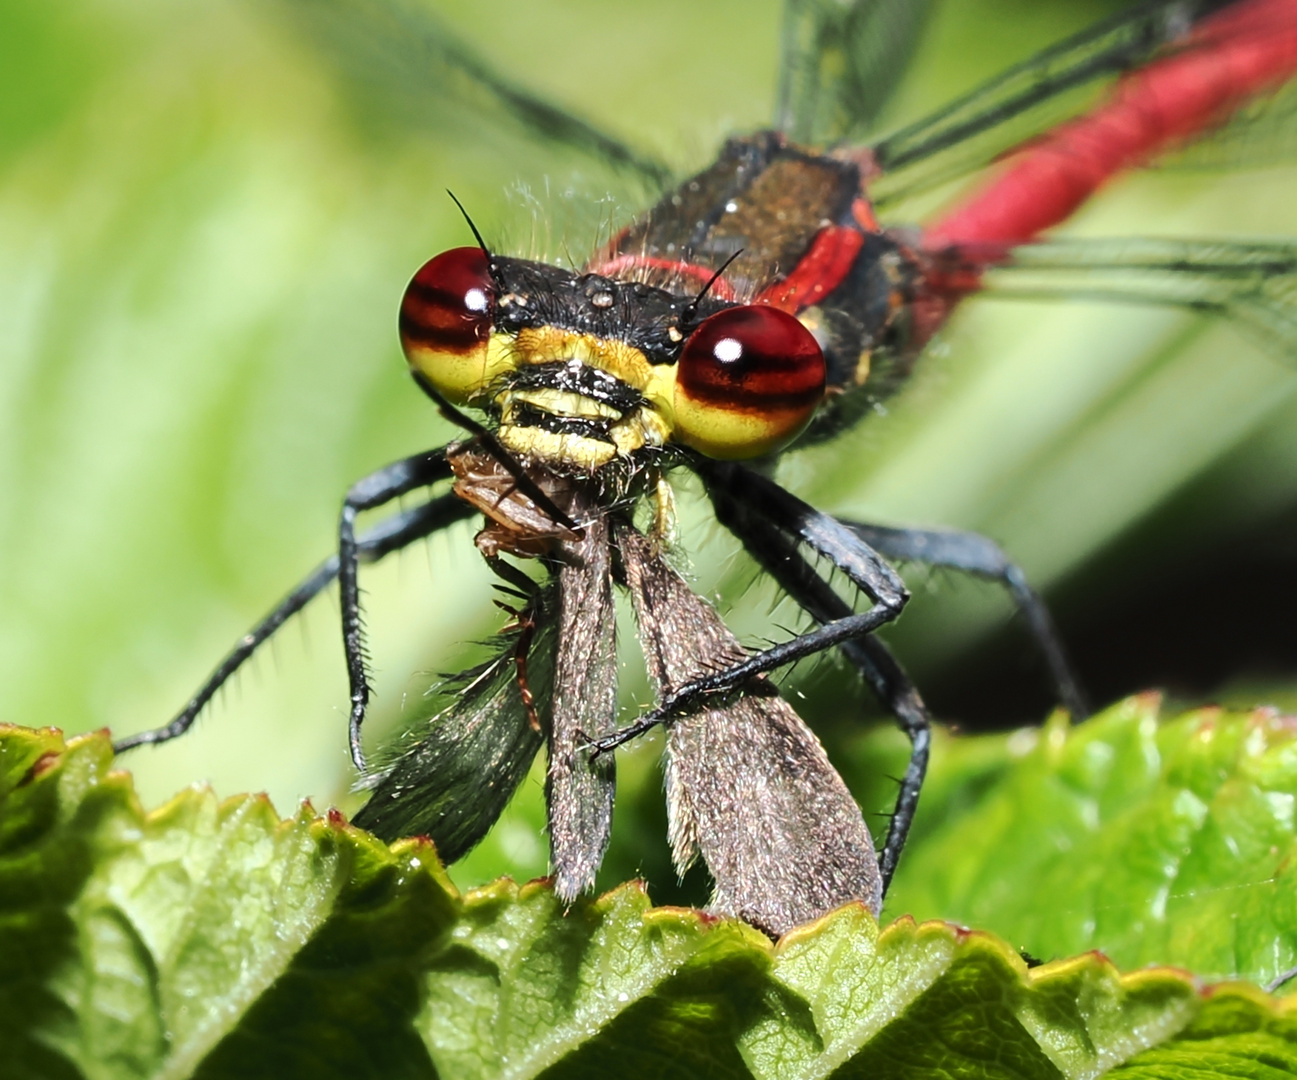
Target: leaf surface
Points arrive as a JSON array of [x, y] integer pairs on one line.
[[213, 939], [1156, 841]]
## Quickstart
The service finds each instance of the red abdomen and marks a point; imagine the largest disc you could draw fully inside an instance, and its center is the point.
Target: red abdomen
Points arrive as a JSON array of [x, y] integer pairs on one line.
[[1227, 59]]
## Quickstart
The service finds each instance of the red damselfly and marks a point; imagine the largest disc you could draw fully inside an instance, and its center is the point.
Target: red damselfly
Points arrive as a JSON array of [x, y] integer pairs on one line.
[[766, 300]]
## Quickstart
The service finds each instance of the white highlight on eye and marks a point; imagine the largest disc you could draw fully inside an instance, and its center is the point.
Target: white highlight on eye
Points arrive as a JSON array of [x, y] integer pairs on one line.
[[727, 350], [475, 300]]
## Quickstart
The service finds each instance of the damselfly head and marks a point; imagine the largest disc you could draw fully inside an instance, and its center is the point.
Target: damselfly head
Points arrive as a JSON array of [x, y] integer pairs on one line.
[[582, 369]]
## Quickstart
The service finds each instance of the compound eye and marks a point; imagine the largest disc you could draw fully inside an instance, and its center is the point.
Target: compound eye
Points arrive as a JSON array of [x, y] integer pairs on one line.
[[445, 322], [748, 382]]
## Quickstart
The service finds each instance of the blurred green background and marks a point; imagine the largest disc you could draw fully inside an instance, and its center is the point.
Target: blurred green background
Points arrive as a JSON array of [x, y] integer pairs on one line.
[[208, 212]]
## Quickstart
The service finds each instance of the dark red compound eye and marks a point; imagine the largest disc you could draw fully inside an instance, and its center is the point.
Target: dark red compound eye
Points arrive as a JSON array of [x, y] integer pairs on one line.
[[748, 382], [446, 317]]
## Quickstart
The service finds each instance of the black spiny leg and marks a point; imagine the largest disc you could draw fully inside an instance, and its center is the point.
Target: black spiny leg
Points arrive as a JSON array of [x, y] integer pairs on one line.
[[398, 531], [822, 534], [777, 552], [981, 556], [375, 490]]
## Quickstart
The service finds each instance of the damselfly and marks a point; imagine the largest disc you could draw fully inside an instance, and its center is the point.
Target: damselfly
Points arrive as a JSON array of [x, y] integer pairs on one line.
[[758, 304]]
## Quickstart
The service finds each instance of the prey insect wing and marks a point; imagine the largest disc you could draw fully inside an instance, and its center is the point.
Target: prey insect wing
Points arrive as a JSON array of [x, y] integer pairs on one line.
[[579, 788], [749, 787], [450, 777], [777, 552], [553, 680]]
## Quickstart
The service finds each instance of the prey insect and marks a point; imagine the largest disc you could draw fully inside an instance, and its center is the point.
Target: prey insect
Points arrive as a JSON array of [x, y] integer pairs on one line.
[[758, 305]]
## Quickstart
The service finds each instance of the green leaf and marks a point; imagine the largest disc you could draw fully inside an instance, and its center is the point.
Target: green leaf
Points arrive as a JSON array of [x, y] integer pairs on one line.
[[1237, 1034], [213, 939], [1159, 842], [930, 999], [148, 945], [612, 985]]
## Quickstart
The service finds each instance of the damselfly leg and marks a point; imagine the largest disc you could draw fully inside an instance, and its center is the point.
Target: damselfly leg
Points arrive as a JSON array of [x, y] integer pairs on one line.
[[982, 557], [375, 490], [394, 533], [776, 550], [826, 537]]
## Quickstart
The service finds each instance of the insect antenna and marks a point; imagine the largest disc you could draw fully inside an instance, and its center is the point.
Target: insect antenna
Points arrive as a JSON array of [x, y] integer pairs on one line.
[[476, 235], [525, 484], [691, 309]]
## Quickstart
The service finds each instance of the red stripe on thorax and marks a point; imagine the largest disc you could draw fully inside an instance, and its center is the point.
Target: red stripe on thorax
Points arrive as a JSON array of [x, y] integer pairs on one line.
[[620, 264], [821, 270], [1227, 59]]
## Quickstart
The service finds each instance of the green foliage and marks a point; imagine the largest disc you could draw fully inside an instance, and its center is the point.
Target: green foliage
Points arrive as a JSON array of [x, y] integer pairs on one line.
[[1155, 842], [207, 931], [212, 939]]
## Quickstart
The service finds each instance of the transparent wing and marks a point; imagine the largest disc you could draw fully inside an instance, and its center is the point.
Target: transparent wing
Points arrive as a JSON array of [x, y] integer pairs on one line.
[[1264, 133], [1046, 89], [840, 63], [424, 74], [1254, 284]]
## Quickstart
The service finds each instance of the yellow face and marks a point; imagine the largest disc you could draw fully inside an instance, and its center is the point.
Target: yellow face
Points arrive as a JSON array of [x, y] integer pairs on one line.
[[646, 424], [582, 371]]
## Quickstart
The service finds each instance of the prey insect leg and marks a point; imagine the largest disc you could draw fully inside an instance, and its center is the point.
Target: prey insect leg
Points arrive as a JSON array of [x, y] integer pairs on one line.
[[777, 553], [524, 622], [373, 491], [398, 531], [822, 534], [981, 556]]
